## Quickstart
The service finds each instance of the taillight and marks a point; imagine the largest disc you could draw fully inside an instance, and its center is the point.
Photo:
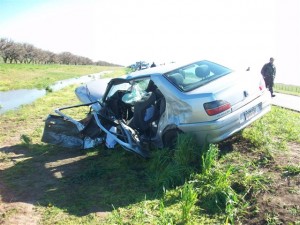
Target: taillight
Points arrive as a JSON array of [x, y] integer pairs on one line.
[[262, 84], [216, 107]]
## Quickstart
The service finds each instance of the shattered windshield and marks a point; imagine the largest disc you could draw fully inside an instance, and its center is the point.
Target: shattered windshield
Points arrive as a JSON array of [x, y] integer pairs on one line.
[[137, 91], [133, 90], [118, 87]]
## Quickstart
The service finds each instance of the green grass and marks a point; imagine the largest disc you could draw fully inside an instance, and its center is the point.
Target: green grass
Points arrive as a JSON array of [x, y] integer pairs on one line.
[[28, 76], [202, 186], [287, 89]]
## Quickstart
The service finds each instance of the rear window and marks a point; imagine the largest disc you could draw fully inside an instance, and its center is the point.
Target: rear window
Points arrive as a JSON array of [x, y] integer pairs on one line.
[[196, 75]]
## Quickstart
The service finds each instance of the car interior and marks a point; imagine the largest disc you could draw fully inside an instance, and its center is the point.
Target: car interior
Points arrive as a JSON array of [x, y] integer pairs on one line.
[[142, 114]]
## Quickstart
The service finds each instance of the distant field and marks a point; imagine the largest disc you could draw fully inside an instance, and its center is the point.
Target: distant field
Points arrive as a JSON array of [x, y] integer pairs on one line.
[[287, 89], [19, 76]]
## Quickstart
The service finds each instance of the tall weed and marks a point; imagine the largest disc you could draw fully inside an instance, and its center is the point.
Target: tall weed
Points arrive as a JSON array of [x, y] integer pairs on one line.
[[189, 197], [187, 152], [164, 217], [158, 172], [213, 186], [209, 159], [171, 168]]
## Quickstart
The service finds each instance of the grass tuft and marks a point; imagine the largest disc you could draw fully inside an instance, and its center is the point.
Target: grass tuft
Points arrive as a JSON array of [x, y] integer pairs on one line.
[[171, 168], [189, 198], [26, 140]]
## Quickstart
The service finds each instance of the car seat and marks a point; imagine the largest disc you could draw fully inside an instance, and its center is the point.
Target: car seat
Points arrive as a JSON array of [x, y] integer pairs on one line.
[[177, 79], [202, 71], [140, 107]]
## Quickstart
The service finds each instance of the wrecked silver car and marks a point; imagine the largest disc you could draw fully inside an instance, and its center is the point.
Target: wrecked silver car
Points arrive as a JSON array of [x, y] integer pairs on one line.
[[152, 106]]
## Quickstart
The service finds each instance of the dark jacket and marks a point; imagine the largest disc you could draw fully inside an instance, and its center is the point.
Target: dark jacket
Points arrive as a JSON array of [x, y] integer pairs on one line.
[[268, 70]]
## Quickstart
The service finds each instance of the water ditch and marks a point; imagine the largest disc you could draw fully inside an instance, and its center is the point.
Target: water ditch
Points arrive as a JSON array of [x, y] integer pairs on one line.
[[12, 100]]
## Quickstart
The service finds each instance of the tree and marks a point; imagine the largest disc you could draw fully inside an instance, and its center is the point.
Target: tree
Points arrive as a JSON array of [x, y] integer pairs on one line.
[[17, 53], [5, 48], [27, 53], [65, 57]]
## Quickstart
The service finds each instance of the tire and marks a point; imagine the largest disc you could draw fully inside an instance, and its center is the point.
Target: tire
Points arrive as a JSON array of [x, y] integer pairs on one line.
[[170, 139]]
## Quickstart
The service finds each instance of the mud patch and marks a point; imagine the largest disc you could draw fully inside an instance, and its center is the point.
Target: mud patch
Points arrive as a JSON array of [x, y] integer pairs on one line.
[[18, 213], [281, 204], [36, 175]]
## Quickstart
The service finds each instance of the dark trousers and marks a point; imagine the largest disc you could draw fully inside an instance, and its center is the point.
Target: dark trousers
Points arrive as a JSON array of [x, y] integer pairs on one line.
[[269, 80]]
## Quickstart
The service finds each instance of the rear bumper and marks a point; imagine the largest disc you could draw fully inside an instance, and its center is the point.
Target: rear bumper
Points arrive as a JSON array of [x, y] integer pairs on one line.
[[218, 130]]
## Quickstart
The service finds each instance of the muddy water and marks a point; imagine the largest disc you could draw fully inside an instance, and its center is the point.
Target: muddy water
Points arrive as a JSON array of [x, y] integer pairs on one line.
[[11, 100]]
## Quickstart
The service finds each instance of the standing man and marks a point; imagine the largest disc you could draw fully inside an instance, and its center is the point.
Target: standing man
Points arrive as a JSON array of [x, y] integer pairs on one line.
[[269, 71], [153, 65]]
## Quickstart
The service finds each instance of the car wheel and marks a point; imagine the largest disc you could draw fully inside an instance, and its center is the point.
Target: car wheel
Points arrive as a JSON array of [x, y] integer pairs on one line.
[[170, 138]]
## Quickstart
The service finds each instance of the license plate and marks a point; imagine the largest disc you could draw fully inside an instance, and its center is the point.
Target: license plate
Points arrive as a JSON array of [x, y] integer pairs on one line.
[[253, 111]]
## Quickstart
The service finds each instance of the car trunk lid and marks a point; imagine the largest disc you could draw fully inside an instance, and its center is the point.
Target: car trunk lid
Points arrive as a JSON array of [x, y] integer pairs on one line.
[[236, 88]]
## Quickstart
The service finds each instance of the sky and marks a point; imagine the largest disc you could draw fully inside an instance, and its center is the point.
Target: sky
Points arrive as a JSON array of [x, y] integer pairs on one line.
[[235, 33]]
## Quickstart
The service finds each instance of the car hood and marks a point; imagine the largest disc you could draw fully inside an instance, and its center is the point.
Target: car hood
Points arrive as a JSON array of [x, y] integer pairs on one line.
[[92, 91]]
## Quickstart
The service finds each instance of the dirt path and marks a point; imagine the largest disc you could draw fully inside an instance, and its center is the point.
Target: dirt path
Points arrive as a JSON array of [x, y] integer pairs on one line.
[[19, 206]]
